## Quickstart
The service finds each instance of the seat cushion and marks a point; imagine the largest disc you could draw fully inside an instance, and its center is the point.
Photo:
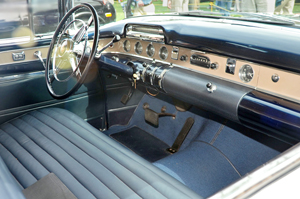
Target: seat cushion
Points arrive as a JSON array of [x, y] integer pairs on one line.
[[8, 187], [89, 163]]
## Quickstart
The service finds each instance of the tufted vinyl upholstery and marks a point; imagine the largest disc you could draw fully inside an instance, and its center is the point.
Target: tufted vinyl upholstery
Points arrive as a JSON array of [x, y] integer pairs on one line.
[[88, 162]]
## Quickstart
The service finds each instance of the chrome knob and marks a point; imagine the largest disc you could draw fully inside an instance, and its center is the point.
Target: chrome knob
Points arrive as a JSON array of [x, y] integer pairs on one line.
[[211, 87], [275, 78], [214, 65]]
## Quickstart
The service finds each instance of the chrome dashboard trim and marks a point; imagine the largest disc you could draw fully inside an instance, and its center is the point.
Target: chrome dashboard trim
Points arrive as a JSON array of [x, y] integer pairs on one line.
[[145, 33], [146, 36], [151, 75], [143, 73], [161, 78], [145, 28]]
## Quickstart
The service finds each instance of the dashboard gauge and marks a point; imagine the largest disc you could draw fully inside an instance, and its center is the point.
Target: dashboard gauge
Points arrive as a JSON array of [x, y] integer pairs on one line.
[[150, 50], [163, 53], [126, 45], [138, 48], [246, 73]]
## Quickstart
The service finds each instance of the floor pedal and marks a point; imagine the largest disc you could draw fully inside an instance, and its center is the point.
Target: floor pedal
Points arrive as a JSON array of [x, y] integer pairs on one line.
[[182, 135]]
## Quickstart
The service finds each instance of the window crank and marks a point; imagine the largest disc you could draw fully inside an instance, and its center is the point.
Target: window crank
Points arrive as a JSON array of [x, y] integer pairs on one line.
[[38, 54]]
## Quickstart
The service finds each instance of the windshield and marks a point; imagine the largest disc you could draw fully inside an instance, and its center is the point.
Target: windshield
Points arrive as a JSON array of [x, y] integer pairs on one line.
[[37, 18], [269, 11]]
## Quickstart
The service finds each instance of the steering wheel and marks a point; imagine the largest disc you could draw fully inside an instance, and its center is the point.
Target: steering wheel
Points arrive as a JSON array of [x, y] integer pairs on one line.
[[69, 57]]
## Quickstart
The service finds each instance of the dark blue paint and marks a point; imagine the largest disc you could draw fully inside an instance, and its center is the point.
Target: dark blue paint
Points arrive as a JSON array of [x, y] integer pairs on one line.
[[271, 115]]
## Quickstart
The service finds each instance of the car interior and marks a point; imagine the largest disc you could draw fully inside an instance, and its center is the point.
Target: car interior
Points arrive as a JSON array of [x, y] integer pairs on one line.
[[165, 106]]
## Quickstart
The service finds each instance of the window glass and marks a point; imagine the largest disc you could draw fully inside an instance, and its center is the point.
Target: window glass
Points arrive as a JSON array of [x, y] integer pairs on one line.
[[13, 15], [39, 17], [45, 16], [264, 10], [21, 19], [105, 9]]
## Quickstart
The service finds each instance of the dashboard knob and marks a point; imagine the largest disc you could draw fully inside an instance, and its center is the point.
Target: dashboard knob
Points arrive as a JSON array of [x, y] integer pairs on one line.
[[275, 78], [211, 87], [183, 58], [214, 65], [116, 58]]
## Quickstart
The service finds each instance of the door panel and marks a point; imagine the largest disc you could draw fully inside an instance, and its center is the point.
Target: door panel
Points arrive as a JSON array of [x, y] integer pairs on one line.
[[25, 91]]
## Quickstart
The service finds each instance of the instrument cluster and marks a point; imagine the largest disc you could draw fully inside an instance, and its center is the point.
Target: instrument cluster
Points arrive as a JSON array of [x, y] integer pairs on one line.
[[150, 49], [196, 59]]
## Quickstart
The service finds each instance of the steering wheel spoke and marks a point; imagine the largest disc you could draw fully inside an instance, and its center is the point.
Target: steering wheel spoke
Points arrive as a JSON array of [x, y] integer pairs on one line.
[[75, 66], [90, 21], [80, 34], [67, 55], [57, 68]]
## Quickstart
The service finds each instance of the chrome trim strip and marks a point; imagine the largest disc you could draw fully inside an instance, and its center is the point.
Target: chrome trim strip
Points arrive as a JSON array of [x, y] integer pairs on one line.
[[146, 36], [122, 108], [145, 28], [152, 75], [143, 73], [161, 78], [24, 49], [24, 40], [11, 111], [146, 33], [9, 78]]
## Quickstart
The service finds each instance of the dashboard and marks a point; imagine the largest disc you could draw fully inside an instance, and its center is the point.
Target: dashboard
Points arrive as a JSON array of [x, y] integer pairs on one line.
[[260, 77]]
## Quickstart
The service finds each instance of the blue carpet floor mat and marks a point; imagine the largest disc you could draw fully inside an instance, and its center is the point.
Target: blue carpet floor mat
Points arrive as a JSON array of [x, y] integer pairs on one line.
[[142, 143], [202, 167], [212, 156], [168, 128]]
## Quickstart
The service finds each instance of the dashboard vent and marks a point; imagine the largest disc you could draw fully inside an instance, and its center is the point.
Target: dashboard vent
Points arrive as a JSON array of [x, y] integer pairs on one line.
[[146, 33]]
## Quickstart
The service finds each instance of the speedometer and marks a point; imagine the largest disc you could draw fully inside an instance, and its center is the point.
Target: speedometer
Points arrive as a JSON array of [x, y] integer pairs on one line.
[[138, 48]]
